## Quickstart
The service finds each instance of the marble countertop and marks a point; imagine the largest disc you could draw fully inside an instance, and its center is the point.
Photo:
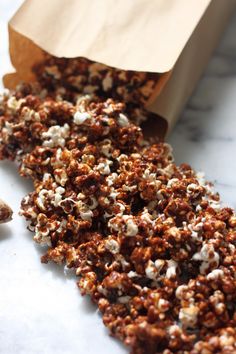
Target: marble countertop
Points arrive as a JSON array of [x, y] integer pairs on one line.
[[41, 310]]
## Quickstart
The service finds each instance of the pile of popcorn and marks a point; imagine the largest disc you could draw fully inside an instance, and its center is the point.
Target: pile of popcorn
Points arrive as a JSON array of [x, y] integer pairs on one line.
[[69, 77], [149, 241]]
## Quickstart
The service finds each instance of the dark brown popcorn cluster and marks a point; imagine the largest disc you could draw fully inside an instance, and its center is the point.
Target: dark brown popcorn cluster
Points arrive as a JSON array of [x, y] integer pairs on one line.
[[69, 77], [148, 240]]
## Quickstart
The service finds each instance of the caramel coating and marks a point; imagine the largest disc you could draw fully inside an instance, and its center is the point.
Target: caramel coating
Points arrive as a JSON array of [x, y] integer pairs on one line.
[[5, 212], [149, 240]]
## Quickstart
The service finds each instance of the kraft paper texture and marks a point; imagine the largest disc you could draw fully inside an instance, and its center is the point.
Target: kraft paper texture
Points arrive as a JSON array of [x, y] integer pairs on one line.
[[171, 37]]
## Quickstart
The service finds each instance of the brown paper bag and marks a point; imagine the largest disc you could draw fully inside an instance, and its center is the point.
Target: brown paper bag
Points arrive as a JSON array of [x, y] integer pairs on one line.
[[172, 37]]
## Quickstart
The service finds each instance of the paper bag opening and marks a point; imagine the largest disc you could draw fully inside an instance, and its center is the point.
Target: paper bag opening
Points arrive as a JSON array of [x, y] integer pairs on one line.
[[173, 39]]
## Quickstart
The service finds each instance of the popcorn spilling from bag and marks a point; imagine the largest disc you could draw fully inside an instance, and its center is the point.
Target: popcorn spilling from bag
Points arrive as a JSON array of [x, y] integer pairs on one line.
[[149, 240]]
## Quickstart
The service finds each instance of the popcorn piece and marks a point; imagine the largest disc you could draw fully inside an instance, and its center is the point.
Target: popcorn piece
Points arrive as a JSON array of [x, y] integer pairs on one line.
[[107, 82], [188, 316], [208, 257], [5, 212], [131, 227], [123, 120], [171, 270], [151, 270], [81, 117], [215, 274], [55, 136], [112, 246]]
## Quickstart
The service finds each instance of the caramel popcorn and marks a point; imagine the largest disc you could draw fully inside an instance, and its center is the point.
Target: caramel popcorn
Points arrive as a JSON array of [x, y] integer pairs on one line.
[[5, 212], [149, 241], [69, 77]]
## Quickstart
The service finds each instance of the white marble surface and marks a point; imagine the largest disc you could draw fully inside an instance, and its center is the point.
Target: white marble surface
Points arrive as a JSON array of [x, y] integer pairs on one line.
[[41, 310]]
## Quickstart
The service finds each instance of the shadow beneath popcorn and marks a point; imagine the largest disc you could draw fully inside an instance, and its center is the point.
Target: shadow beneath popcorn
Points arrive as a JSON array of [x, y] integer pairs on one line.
[[5, 232], [66, 274], [87, 305], [119, 343], [11, 169], [57, 270]]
